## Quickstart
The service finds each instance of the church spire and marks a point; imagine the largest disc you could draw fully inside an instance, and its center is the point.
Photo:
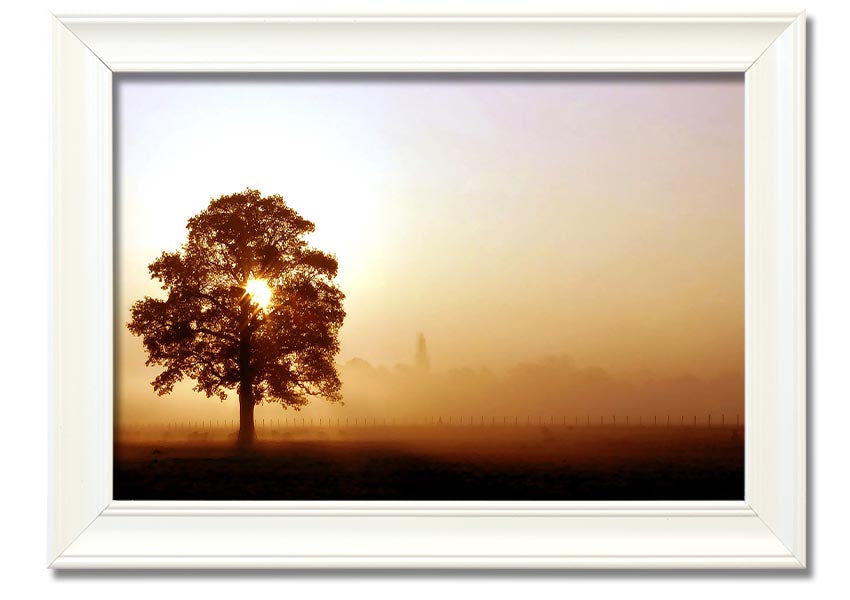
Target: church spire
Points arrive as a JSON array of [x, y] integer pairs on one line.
[[420, 358]]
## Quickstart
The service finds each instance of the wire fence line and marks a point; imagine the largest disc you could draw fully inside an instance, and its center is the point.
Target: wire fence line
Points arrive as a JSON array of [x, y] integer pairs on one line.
[[266, 424]]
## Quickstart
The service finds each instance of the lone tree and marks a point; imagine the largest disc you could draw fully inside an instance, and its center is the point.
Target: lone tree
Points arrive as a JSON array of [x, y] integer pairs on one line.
[[250, 307]]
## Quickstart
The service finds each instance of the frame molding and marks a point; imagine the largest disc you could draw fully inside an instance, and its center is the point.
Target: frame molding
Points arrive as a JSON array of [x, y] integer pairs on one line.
[[87, 529]]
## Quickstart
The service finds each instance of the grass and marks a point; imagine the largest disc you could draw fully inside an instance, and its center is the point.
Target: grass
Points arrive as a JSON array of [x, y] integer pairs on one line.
[[438, 463]]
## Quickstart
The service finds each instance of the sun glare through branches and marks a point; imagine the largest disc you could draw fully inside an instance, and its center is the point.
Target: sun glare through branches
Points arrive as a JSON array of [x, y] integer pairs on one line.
[[260, 292]]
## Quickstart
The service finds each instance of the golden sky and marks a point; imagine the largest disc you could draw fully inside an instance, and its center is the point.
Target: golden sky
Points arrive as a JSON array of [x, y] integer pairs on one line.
[[515, 220]]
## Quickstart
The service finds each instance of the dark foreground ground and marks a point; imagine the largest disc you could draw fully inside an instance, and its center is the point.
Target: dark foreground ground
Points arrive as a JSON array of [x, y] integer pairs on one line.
[[439, 463]]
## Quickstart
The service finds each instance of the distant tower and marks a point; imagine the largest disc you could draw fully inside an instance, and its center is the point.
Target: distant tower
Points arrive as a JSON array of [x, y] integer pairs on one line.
[[420, 360]]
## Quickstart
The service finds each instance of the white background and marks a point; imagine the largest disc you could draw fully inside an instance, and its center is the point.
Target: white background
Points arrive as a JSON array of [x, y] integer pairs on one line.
[[23, 341]]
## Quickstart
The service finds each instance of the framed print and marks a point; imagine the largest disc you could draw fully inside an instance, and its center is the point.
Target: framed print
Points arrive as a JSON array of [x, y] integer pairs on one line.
[[428, 292]]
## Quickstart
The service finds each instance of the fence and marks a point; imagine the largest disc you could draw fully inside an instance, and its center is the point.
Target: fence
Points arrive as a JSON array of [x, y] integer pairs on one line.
[[287, 423]]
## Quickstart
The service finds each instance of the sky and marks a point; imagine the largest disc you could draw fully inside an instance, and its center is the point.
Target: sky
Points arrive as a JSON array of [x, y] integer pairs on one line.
[[586, 229]]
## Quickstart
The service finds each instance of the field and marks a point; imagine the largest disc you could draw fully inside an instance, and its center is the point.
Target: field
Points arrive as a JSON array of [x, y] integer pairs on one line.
[[435, 462]]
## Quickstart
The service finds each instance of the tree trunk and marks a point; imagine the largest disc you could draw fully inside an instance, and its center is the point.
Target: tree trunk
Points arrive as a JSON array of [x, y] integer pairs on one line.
[[247, 434], [246, 418]]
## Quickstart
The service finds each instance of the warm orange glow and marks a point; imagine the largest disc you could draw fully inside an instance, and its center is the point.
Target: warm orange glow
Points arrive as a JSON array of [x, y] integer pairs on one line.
[[600, 270], [260, 292]]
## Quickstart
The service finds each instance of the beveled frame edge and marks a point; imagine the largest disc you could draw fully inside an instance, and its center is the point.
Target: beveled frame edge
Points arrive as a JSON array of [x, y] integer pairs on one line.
[[767, 530]]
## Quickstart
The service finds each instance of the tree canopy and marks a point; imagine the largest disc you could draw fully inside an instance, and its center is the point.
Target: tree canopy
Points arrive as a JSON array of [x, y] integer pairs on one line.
[[212, 329]]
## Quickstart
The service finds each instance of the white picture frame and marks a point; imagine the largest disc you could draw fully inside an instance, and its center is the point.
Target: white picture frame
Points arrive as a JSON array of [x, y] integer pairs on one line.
[[87, 529]]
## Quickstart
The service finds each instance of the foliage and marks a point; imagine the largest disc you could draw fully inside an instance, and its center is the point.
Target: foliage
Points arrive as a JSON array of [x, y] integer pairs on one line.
[[208, 329]]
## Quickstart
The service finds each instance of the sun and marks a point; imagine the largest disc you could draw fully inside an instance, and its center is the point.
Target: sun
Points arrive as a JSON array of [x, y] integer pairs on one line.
[[260, 292]]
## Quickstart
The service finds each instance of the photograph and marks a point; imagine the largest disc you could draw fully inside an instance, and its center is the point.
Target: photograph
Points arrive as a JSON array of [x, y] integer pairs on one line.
[[429, 287]]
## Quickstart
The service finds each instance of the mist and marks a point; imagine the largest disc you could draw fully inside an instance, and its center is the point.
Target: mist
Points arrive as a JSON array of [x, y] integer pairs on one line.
[[550, 388]]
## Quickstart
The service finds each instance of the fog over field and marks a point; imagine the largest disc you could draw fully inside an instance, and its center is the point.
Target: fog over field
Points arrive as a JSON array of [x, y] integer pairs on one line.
[[551, 387]]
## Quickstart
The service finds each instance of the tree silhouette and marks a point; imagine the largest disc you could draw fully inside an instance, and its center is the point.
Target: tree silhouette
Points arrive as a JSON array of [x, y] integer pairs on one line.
[[250, 307]]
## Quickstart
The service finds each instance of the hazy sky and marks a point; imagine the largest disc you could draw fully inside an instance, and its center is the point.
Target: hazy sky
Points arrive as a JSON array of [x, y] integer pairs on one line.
[[509, 218]]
